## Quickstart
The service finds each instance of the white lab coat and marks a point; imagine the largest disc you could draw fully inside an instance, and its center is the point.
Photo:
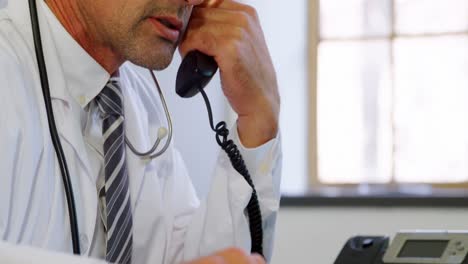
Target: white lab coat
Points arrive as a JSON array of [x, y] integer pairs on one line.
[[170, 224]]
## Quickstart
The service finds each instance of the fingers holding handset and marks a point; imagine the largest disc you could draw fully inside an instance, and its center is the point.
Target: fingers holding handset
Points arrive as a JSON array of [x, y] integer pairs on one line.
[[231, 33]]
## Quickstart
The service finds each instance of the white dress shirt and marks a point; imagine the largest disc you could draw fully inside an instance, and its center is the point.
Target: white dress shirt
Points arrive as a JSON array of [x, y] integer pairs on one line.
[[170, 223]]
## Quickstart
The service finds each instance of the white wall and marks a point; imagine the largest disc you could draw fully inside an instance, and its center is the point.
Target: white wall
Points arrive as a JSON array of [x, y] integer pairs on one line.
[[285, 28], [192, 133], [316, 235]]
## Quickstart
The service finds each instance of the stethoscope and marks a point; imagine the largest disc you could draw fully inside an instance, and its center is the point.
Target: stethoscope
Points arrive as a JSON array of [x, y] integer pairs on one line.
[[185, 87], [150, 154], [162, 131]]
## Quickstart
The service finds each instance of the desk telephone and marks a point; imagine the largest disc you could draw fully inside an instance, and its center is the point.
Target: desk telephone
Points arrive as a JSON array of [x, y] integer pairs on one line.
[[408, 247]]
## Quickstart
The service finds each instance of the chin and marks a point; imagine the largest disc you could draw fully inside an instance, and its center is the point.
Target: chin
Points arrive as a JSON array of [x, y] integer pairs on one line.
[[158, 57], [156, 63]]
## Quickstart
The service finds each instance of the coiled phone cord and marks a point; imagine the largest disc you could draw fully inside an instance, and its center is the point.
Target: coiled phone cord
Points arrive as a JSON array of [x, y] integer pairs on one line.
[[253, 208]]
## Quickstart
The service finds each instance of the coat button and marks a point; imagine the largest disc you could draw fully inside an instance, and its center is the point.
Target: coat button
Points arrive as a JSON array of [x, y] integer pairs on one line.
[[82, 99], [84, 243]]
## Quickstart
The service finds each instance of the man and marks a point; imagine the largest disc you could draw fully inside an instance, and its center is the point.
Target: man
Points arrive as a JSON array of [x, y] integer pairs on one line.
[[130, 210]]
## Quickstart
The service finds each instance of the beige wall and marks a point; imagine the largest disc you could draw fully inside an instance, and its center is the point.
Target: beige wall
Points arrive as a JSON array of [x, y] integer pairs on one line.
[[316, 235]]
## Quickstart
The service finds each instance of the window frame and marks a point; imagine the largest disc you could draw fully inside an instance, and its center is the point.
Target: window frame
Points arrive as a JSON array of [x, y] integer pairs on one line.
[[314, 40]]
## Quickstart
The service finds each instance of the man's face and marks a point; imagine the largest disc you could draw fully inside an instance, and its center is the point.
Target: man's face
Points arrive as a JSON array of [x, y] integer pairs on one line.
[[138, 30]]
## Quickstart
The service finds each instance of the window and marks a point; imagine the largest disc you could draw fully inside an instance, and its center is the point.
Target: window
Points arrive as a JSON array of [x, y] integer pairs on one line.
[[391, 91]]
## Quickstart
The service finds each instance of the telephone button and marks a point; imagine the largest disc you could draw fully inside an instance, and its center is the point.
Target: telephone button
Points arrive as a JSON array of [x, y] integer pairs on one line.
[[367, 243]]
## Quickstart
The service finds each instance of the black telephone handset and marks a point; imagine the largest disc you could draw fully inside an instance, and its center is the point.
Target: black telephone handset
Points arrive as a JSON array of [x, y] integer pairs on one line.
[[195, 72]]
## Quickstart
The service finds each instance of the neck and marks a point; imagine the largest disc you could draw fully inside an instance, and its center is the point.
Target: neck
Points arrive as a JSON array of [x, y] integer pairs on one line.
[[72, 17]]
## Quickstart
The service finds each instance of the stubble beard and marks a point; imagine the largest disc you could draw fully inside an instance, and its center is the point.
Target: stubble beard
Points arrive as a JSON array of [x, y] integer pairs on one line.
[[153, 57], [142, 48]]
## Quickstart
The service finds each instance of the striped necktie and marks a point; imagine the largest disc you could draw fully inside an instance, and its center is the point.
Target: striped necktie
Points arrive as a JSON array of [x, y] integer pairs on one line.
[[118, 212]]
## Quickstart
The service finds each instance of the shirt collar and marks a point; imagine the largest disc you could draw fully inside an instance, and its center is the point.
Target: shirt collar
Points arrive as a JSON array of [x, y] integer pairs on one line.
[[84, 76]]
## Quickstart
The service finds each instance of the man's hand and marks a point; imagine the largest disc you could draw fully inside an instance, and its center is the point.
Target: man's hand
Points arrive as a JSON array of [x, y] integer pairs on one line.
[[231, 33], [230, 256]]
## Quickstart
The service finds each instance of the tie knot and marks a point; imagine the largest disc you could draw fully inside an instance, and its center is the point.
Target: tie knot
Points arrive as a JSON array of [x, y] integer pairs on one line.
[[110, 99]]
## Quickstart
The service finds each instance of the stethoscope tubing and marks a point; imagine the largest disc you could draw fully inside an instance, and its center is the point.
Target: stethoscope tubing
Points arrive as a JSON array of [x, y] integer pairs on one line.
[[53, 128], [150, 153]]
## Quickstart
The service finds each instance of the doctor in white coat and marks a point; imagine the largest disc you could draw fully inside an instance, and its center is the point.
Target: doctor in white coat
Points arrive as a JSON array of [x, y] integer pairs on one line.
[[85, 42]]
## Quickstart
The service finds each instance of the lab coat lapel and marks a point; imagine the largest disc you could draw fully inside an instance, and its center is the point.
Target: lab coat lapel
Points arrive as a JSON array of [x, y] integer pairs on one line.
[[69, 128]]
